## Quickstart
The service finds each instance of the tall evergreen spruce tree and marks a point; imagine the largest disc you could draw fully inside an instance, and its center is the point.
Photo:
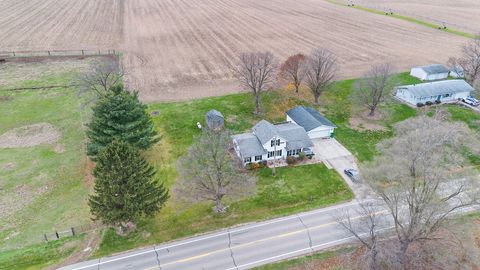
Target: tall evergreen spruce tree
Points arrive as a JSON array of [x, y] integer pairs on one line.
[[125, 186], [120, 115]]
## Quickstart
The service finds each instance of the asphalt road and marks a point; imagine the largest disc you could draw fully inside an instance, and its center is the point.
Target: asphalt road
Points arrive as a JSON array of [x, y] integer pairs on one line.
[[241, 247]]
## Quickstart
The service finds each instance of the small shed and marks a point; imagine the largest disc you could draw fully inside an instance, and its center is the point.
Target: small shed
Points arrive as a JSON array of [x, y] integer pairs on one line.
[[214, 120], [444, 91], [430, 72]]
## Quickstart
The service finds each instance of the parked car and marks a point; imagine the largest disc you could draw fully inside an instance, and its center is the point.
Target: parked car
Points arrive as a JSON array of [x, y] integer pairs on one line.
[[308, 153], [353, 174], [471, 101]]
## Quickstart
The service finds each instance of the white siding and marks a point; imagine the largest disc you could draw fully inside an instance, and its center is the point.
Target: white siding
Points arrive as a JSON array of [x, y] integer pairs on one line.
[[418, 73], [405, 95], [320, 132], [437, 76], [422, 75], [268, 147]]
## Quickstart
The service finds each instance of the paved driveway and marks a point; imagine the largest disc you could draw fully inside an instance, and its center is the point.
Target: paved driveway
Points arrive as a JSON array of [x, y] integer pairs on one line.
[[336, 156]]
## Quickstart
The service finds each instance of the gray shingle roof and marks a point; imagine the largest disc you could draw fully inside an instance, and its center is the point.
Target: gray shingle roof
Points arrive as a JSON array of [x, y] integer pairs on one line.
[[265, 131], [308, 118], [295, 135], [214, 119], [438, 88], [434, 69], [249, 145]]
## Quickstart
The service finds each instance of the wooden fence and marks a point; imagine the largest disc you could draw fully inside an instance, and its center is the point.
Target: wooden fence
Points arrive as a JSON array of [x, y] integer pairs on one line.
[[72, 231], [47, 53]]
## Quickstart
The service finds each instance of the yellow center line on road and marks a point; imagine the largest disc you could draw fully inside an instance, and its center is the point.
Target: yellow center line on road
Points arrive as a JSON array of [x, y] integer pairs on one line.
[[257, 242]]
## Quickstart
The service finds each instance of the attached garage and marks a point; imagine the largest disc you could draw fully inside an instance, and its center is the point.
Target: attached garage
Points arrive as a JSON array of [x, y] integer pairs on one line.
[[316, 125], [321, 132]]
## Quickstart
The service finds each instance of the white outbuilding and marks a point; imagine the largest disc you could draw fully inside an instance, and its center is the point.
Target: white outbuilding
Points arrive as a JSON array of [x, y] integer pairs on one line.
[[316, 125], [444, 91], [430, 72]]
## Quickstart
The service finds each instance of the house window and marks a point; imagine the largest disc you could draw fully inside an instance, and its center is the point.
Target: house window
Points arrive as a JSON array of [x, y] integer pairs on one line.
[[257, 158], [298, 151], [272, 142], [247, 160], [279, 153], [271, 154], [289, 153]]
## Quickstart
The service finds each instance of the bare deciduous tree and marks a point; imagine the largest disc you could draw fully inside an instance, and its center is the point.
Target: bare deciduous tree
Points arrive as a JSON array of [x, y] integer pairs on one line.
[[293, 70], [364, 226], [421, 179], [256, 71], [375, 88], [320, 70], [101, 77], [469, 61], [209, 172]]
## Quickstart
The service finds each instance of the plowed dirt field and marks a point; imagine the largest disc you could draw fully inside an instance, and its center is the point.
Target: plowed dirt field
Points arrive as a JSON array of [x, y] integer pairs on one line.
[[463, 15], [181, 49]]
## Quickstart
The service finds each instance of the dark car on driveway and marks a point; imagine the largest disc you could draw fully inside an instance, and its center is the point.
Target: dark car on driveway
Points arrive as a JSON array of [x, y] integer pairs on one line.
[[308, 153], [353, 174]]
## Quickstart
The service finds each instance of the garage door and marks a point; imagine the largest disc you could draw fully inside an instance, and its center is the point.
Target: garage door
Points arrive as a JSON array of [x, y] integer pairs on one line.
[[315, 134]]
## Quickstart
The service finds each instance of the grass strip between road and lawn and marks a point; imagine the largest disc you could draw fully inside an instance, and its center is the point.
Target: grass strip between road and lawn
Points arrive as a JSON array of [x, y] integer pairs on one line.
[[408, 19]]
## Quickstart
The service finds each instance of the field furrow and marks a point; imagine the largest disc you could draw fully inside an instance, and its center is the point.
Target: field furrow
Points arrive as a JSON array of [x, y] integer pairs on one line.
[[183, 49]]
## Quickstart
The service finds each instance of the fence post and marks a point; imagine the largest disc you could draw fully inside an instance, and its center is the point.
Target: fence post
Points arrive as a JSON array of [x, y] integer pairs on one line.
[[13, 53], [56, 233], [48, 53], [114, 52], [83, 53], [45, 236], [73, 231]]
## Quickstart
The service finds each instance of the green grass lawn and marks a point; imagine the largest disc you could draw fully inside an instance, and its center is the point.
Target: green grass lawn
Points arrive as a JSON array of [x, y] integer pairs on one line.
[[293, 189], [38, 256], [317, 186], [43, 188], [282, 195]]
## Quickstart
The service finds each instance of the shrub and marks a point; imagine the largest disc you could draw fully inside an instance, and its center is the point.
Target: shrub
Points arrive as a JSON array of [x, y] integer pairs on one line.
[[291, 160], [255, 166], [302, 156], [428, 103], [437, 101], [420, 104]]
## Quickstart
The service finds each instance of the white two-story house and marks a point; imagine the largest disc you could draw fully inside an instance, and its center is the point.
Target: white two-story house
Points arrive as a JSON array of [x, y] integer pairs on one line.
[[268, 141]]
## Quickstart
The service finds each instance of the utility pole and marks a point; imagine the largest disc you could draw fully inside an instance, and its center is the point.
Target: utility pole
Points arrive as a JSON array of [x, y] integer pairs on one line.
[[274, 156]]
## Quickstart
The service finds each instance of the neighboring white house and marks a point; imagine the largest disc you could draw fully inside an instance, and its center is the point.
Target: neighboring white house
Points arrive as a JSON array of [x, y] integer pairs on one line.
[[316, 125], [443, 91], [430, 73], [268, 141]]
